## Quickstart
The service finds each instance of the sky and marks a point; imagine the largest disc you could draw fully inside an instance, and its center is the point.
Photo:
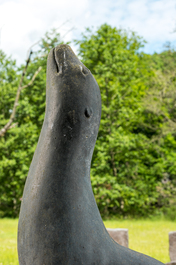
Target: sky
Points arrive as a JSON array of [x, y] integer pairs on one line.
[[24, 22]]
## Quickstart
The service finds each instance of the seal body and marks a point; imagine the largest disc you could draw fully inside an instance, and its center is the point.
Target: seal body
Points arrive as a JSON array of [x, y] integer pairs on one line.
[[59, 221]]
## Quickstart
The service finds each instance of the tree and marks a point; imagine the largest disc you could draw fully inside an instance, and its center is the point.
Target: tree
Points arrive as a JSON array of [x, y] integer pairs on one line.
[[133, 165], [18, 144], [123, 173], [159, 124]]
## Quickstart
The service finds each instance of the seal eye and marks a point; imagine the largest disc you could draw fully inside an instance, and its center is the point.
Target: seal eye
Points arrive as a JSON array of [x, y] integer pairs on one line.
[[88, 112]]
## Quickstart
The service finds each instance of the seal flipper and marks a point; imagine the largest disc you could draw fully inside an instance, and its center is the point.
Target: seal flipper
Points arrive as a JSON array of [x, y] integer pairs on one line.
[[59, 220]]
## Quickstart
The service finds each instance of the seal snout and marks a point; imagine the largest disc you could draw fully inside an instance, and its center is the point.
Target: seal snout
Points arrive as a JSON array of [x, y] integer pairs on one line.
[[66, 60]]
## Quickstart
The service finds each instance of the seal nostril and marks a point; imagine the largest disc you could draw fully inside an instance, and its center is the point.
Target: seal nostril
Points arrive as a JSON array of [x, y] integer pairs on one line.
[[57, 68], [88, 112], [84, 71], [54, 56]]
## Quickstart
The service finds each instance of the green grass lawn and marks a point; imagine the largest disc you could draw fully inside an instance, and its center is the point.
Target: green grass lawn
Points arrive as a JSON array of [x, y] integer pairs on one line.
[[146, 236], [8, 239]]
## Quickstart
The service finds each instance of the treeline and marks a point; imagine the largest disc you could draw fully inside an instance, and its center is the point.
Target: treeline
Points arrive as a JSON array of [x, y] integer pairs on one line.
[[133, 169]]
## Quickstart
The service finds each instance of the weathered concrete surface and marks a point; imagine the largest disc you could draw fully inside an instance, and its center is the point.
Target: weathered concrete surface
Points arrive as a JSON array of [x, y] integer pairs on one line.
[[119, 235], [59, 221], [172, 246]]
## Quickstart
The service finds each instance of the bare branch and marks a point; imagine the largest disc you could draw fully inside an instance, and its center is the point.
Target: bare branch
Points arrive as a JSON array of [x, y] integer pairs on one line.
[[37, 42], [30, 48], [46, 54], [63, 24], [9, 125], [33, 78], [68, 32], [13, 125]]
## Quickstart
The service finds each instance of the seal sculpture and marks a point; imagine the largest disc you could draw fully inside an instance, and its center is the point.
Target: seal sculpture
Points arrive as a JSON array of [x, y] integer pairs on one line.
[[59, 221]]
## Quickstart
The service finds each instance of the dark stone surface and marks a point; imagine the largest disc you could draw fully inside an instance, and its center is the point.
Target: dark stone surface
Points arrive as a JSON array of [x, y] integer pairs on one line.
[[59, 220], [172, 246]]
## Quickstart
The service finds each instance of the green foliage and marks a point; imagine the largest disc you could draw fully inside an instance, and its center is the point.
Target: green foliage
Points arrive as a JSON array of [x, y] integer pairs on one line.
[[122, 178], [159, 123], [133, 167], [18, 144], [128, 164]]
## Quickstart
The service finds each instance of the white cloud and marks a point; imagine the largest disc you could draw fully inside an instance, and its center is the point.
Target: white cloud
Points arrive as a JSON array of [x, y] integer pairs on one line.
[[25, 21]]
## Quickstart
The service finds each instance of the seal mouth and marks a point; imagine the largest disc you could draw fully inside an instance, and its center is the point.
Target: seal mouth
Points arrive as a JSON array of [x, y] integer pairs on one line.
[[66, 60]]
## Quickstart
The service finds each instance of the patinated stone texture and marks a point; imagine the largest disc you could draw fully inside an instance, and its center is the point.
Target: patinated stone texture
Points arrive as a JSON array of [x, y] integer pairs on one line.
[[172, 246], [59, 221], [119, 235]]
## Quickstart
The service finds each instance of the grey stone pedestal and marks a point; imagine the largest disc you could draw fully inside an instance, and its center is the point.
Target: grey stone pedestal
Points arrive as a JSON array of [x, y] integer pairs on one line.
[[172, 246], [119, 235]]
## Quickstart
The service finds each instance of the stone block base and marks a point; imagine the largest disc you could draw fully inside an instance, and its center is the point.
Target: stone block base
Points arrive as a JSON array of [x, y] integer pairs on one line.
[[119, 235]]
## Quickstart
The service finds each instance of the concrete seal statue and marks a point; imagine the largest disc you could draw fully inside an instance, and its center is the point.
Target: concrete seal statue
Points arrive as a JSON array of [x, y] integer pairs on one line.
[[59, 221]]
